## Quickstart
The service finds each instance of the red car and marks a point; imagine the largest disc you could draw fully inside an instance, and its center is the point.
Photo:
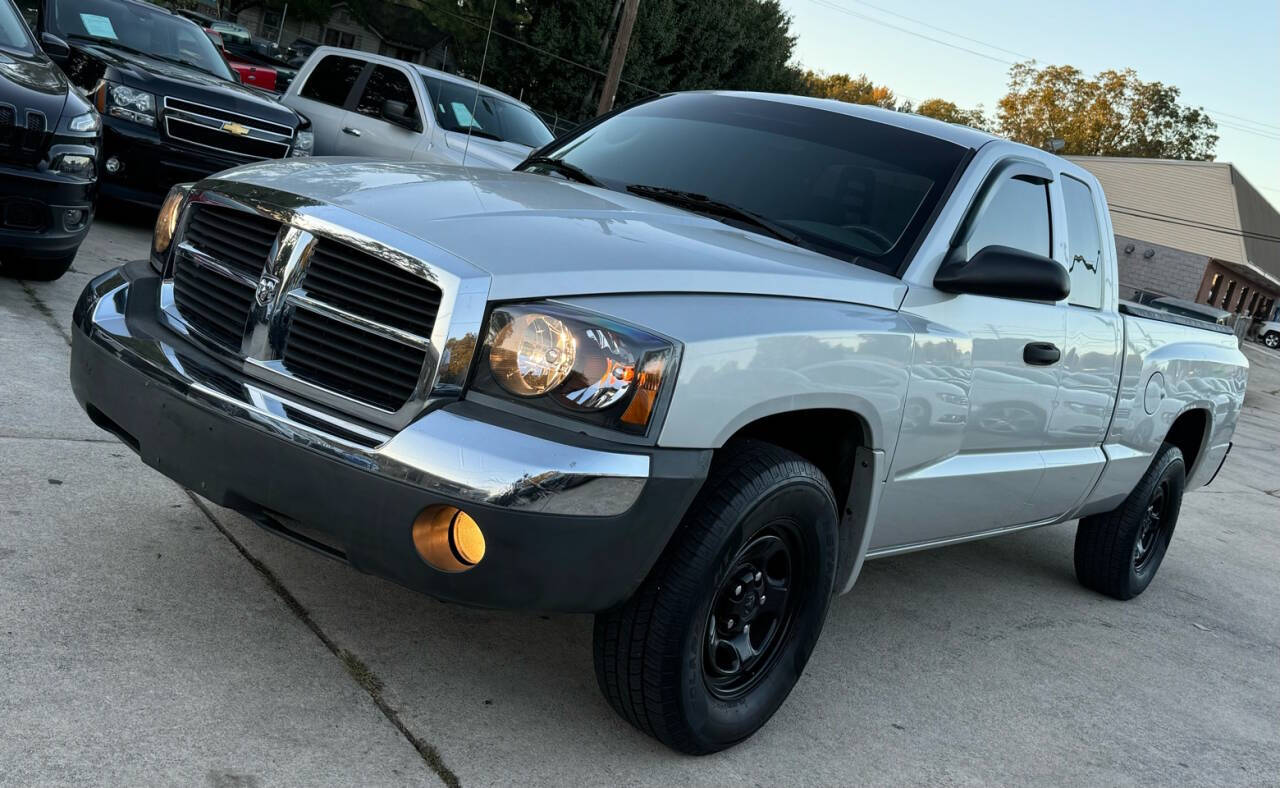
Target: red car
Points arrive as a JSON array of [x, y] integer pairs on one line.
[[250, 74]]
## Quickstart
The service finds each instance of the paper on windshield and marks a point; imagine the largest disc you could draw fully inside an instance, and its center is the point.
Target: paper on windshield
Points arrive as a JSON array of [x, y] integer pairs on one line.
[[99, 26]]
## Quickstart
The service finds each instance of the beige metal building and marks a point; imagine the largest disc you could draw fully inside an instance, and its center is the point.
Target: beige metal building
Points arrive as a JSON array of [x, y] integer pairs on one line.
[[1194, 230]]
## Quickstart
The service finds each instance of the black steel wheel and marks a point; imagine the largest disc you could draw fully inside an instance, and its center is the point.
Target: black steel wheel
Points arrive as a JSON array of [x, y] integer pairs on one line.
[[1118, 552], [752, 611], [716, 636]]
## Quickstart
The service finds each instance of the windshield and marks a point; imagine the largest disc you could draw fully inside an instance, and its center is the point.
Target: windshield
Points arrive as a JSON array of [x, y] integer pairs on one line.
[[858, 189], [138, 27], [13, 31], [233, 32], [494, 118]]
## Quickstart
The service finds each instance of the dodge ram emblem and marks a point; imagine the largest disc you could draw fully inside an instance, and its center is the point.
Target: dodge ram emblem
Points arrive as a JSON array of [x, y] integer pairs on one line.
[[266, 289]]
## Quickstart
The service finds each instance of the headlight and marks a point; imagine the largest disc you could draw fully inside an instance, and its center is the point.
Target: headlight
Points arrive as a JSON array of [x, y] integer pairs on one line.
[[74, 164], [303, 144], [167, 220], [131, 104], [89, 121], [574, 364]]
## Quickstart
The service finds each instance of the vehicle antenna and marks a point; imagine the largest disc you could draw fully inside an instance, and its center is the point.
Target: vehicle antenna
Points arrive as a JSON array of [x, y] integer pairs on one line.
[[479, 81]]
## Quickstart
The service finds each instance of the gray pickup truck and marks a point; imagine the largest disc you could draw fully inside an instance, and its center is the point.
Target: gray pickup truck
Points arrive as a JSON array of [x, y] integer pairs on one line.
[[687, 369]]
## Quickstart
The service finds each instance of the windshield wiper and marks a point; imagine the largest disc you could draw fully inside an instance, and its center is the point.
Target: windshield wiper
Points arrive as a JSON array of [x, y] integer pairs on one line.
[[489, 135], [561, 166], [701, 203], [110, 42]]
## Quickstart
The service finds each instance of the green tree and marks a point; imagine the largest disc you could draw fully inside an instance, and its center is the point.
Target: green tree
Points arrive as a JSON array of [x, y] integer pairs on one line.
[[949, 112], [1112, 114]]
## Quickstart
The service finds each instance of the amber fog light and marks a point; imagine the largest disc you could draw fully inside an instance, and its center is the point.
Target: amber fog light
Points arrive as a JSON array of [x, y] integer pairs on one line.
[[447, 538]]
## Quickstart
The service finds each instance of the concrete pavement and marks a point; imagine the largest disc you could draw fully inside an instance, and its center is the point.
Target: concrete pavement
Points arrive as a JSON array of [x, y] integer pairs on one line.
[[146, 637]]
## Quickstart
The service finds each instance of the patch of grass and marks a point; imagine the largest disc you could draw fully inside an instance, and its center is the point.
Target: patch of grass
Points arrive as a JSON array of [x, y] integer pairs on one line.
[[360, 672]]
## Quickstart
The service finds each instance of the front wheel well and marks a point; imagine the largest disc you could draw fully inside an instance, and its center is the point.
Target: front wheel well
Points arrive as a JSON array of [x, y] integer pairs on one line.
[[1188, 433], [827, 437]]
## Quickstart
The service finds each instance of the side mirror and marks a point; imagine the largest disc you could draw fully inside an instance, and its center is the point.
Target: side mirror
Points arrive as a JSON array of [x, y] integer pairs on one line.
[[397, 112], [1004, 272], [55, 47]]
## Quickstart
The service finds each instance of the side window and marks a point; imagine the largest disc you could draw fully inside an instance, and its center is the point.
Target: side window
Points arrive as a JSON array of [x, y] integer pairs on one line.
[[331, 80], [1017, 216], [386, 84], [1084, 244]]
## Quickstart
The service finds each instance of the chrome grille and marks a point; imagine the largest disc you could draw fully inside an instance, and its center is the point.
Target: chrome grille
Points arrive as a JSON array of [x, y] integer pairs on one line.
[[350, 360], [239, 240], [222, 130], [347, 325]]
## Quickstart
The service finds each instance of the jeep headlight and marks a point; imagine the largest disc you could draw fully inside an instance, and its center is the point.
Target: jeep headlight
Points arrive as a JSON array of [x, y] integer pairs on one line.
[[575, 364], [304, 142], [130, 104]]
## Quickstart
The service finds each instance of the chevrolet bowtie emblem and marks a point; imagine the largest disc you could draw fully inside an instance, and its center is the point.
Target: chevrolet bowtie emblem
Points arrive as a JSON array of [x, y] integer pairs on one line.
[[235, 128]]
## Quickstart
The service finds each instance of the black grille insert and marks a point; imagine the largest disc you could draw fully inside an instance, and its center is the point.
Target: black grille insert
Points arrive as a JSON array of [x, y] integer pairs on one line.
[[211, 303], [238, 239], [363, 365], [372, 288]]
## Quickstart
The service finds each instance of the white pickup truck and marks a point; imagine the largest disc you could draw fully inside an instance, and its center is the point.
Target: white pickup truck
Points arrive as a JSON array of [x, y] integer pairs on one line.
[[687, 369]]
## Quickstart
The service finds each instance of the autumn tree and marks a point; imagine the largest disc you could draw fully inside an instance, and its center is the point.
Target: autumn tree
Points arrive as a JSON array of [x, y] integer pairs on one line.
[[843, 87], [949, 112], [1112, 114]]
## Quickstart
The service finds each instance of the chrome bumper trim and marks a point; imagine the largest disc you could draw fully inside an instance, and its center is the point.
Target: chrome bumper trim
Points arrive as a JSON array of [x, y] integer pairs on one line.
[[442, 452]]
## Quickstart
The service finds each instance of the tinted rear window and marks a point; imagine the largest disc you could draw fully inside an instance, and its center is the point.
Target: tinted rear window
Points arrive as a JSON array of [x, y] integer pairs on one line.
[[332, 79]]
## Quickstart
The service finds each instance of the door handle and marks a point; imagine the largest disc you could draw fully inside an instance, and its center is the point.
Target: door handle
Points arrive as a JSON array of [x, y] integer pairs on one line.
[[351, 131], [1041, 354]]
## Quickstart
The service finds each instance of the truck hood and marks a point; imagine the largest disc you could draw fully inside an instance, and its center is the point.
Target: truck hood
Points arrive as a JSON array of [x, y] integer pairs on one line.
[[539, 236], [498, 154], [163, 78]]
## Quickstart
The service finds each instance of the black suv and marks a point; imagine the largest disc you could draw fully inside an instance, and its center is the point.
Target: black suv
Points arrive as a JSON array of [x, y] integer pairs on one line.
[[172, 108], [49, 139]]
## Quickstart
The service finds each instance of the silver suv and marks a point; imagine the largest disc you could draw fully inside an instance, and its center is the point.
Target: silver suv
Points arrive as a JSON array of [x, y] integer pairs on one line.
[[361, 104]]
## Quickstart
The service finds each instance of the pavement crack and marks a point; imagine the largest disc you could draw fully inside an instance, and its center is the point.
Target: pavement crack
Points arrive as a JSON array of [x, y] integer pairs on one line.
[[40, 306], [355, 667]]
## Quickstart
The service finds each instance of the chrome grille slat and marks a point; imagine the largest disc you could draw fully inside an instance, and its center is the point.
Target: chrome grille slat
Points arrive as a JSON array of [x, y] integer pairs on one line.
[[224, 235], [317, 350], [214, 305]]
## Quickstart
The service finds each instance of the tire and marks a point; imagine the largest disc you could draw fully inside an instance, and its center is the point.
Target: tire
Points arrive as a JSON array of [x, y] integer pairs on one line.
[[1272, 340], [35, 269], [1119, 552], [665, 658]]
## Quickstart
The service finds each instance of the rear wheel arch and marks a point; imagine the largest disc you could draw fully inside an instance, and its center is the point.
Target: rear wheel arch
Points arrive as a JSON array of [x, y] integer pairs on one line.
[[1190, 433]]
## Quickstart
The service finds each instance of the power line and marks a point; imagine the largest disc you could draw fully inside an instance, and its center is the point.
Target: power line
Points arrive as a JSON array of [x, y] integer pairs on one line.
[[851, 12], [1275, 126], [842, 9], [1139, 213], [944, 30], [540, 50]]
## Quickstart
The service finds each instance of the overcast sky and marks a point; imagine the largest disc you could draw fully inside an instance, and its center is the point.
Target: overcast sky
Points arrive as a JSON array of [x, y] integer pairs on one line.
[[1224, 56]]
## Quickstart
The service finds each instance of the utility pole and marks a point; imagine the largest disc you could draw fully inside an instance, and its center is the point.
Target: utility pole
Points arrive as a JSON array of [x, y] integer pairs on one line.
[[620, 45]]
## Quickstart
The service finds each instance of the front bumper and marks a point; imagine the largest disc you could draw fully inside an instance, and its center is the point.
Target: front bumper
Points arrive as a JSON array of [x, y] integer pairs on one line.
[[46, 197], [571, 523], [151, 163]]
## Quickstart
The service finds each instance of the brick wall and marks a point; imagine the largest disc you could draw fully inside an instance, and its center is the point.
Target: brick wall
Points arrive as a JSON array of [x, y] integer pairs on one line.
[[1167, 271]]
